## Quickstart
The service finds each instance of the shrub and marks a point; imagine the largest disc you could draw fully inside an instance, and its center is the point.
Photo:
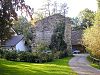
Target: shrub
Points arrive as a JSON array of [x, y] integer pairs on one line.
[[43, 57], [28, 56], [60, 54], [41, 47], [11, 55], [46, 57], [91, 40], [2, 53], [36, 57], [50, 57], [24, 56]]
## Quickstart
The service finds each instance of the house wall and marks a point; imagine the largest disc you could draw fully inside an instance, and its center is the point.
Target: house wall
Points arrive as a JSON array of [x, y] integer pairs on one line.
[[43, 36], [21, 46], [45, 28]]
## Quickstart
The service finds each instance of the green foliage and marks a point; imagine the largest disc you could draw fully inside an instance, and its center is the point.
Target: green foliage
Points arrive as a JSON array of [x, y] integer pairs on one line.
[[35, 57], [93, 63], [8, 14], [98, 1], [91, 37], [57, 42], [41, 46], [38, 57], [11, 55], [97, 18], [86, 18], [91, 40], [75, 21], [60, 54], [27, 56], [23, 27], [45, 57], [2, 53], [38, 16]]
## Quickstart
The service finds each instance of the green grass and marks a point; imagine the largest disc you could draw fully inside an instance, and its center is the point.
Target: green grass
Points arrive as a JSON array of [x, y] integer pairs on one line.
[[95, 65], [57, 67]]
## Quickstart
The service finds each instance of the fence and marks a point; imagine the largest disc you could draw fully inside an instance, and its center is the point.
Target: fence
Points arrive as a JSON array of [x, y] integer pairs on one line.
[[95, 60]]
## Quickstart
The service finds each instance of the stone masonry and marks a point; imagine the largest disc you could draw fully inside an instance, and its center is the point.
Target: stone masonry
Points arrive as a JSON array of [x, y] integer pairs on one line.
[[44, 29]]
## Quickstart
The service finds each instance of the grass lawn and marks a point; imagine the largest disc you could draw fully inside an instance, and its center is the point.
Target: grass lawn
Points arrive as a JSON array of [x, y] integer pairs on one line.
[[57, 67], [95, 65]]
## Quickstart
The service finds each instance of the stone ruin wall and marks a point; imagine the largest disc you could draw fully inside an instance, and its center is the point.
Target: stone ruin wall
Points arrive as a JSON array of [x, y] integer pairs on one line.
[[45, 27]]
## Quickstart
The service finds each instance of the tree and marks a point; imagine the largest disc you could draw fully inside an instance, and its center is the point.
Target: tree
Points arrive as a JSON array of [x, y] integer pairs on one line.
[[47, 8], [38, 15], [55, 8], [91, 40], [75, 23], [97, 18], [8, 13], [23, 26], [57, 42], [91, 36], [50, 8], [63, 9], [98, 1], [86, 18]]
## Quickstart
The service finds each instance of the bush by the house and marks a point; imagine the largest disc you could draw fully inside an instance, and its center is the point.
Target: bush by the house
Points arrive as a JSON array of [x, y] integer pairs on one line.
[[44, 57], [24, 56], [11, 55], [27, 56], [60, 54], [36, 57], [2, 53]]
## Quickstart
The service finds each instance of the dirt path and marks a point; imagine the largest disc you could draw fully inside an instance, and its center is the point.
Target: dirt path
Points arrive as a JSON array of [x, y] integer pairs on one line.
[[80, 65]]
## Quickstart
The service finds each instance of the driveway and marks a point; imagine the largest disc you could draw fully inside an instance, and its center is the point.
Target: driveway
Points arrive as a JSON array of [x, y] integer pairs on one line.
[[80, 65]]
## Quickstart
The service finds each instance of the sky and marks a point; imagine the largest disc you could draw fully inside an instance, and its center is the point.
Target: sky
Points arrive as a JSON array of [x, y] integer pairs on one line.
[[75, 6]]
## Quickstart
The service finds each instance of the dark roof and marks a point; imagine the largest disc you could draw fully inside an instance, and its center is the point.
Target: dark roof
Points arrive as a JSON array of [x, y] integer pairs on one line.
[[76, 37], [13, 41]]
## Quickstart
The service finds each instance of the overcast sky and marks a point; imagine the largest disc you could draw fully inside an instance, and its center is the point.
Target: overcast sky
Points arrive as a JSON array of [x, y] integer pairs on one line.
[[75, 6]]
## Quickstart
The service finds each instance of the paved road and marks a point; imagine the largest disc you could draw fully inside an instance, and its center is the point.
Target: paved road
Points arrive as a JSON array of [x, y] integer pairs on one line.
[[80, 65]]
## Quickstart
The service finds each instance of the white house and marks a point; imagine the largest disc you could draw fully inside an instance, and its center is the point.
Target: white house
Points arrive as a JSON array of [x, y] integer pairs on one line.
[[15, 43]]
